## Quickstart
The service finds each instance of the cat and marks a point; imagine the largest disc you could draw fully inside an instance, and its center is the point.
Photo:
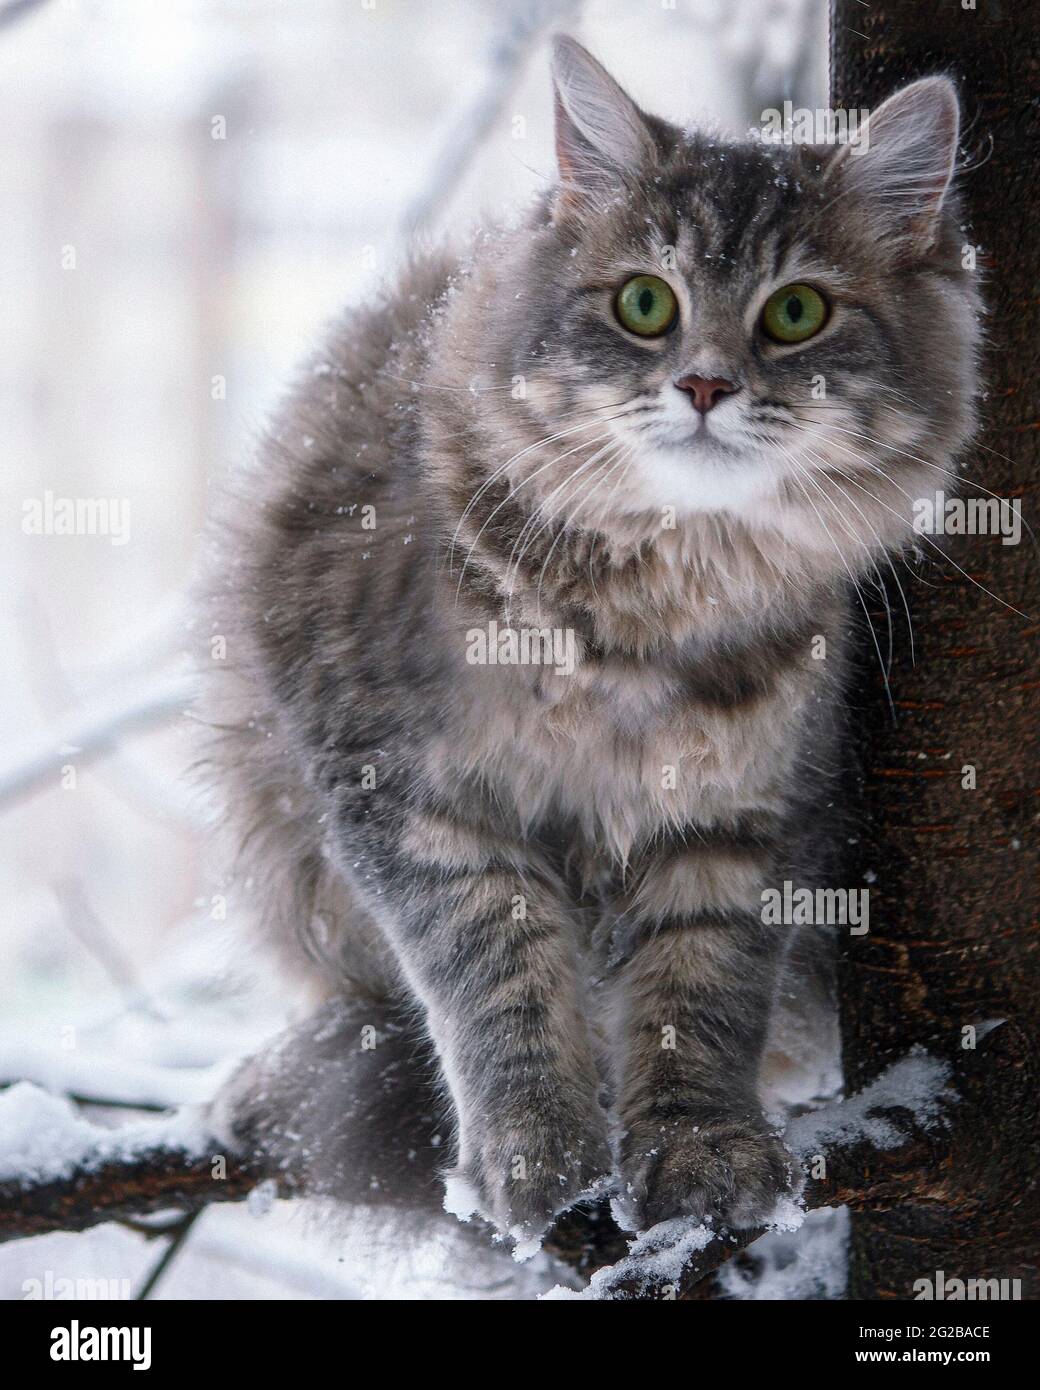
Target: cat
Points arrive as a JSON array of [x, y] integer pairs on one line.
[[664, 423]]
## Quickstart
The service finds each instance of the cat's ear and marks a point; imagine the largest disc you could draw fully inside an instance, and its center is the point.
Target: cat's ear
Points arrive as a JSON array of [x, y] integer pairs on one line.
[[600, 131], [903, 160]]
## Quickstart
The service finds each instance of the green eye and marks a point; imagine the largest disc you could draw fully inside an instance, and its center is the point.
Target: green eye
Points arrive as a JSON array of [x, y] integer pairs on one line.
[[646, 305], [794, 313]]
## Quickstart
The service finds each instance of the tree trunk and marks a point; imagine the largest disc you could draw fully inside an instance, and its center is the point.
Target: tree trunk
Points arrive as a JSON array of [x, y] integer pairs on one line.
[[953, 941]]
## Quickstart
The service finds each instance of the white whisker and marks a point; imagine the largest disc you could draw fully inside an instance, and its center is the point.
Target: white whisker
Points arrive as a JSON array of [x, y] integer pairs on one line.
[[848, 571]]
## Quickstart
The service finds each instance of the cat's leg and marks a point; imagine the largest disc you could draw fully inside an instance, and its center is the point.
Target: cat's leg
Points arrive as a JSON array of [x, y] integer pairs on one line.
[[696, 988], [485, 942]]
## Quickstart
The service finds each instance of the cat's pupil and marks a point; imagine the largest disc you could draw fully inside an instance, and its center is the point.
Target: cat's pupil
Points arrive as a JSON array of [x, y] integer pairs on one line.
[[795, 308], [646, 301]]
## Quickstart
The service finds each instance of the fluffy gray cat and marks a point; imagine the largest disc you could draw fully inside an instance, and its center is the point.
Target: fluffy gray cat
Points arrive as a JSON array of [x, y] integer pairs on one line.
[[536, 604]]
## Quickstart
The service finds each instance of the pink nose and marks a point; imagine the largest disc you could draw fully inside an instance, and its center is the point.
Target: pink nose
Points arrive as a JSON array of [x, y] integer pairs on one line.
[[706, 392]]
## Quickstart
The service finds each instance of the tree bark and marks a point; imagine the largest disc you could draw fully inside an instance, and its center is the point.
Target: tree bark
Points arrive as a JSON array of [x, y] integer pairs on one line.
[[954, 942], [135, 1185]]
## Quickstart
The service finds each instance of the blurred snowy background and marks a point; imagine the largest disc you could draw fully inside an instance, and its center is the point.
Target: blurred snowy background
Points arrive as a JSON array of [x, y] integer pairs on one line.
[[189, 189]]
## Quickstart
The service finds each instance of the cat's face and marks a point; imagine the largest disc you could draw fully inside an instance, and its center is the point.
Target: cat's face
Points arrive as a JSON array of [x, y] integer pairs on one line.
[[785, 334]]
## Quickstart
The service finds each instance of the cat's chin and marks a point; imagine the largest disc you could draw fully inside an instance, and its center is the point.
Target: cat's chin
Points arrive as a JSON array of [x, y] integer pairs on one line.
[[703, 475]]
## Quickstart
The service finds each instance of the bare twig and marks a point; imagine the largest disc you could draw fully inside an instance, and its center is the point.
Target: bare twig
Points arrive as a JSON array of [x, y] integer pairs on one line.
[[14, 10], [58, 697], [180, 1233], [94, 733], [89, 1075], [526, 21], [85, 924]]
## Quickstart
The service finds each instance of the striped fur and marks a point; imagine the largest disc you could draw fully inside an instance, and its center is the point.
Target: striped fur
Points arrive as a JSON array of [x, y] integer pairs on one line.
[[557, 878]]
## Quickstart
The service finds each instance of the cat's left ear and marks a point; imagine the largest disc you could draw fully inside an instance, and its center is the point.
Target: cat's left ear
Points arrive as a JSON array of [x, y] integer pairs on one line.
[[903, 161], [600, 131]]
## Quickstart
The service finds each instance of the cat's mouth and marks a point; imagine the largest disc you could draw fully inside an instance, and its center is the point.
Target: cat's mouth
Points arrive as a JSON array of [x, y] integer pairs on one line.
[[702, 440]]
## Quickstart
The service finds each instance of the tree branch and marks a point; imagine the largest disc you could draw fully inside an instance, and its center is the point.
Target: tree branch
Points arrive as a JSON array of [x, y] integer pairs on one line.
[[149, 1181], [869, 1152], [59, 1172], [886, 1145], [920, 1137]]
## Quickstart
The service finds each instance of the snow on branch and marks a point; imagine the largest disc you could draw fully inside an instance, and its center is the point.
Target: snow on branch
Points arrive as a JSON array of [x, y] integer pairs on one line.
[[60, 1172], [868, 1152]]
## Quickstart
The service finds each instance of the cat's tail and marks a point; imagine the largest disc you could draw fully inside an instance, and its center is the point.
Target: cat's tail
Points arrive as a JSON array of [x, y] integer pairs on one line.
[[346, 1105]]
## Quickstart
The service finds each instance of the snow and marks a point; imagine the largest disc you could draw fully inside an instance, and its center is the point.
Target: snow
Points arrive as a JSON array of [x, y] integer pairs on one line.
[[262, 1198], [658, 1257], [294, 1251], [460, 1198], [787, 1215], [45, 1138], [94, 1073], [783, 1266], [918, 1083], [525, 1246]]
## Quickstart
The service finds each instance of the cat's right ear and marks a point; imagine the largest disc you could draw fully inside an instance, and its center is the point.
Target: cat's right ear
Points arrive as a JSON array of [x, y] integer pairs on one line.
[[903, 163], [601, 134]]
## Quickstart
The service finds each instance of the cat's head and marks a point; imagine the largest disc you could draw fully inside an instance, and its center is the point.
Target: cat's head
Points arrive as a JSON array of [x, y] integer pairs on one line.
[[782, 333]]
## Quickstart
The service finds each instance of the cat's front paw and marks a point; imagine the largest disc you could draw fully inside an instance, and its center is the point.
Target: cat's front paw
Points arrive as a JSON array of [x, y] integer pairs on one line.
[[521, 1177], [728, 1169]]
